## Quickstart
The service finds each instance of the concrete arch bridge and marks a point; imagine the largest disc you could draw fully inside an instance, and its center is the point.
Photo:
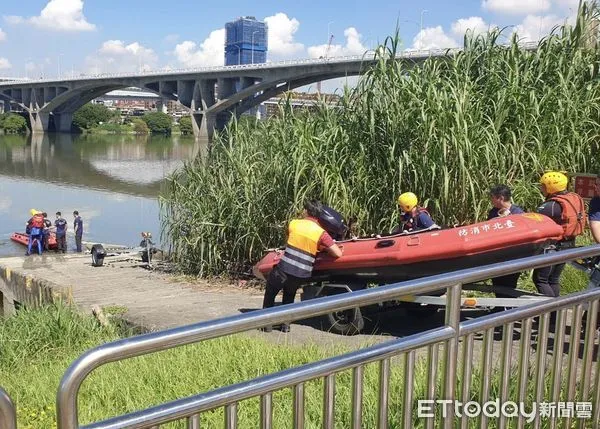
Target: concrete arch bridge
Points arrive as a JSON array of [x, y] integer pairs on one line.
[[212, 94]]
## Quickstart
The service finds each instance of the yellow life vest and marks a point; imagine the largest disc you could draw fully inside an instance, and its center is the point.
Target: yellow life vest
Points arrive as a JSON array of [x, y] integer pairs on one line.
[[301, 247]]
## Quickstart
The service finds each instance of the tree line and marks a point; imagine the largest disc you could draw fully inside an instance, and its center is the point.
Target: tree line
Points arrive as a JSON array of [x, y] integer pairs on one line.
[[92, 116]]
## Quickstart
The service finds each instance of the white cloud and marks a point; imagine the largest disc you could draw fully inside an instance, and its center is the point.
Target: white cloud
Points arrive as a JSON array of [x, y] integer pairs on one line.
[[2, 35], [281, 30], [58, 15], [116, 56], [171, 38], [534, 27], [516, 7], [353, 46], [118, 47], [433, 38], [12, 19], [209, 53], [475, 24], [5, 64]]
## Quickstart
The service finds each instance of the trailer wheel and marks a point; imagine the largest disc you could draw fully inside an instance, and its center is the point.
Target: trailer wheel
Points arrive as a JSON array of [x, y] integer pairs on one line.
[[98, 254], [344, 322]]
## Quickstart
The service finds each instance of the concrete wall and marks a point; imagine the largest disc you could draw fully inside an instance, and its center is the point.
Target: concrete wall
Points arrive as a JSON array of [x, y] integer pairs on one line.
[[17, 289]]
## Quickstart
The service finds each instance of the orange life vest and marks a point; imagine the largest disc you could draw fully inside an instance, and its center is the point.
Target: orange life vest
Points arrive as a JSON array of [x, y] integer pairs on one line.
[[37, 221], [573, 217]]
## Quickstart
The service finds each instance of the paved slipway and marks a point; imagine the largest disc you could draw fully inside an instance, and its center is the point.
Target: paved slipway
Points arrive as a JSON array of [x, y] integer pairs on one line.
[[155, 300]]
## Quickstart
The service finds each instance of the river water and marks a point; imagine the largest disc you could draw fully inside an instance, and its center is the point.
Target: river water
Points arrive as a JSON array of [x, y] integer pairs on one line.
[[112, 180]]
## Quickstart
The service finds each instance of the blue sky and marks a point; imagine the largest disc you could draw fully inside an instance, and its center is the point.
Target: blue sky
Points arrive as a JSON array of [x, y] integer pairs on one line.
[[83, 36]]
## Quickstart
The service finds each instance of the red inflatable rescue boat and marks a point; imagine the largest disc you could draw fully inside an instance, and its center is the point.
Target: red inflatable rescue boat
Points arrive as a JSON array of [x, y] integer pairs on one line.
[[23, 239], [425, 253]]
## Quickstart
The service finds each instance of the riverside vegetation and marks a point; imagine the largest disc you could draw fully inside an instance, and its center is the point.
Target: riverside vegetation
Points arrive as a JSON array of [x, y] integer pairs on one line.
[[446, 130], [38, 346], [99, 119]]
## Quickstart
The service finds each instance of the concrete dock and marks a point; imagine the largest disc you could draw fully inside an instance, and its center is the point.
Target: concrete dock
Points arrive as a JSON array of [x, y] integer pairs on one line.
[[147, 299], [150, 299]]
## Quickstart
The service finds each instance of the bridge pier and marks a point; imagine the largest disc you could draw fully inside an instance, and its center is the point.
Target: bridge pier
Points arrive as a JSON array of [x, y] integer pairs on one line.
[[39, 122], [63, 122], [161, 106], [204, 125]]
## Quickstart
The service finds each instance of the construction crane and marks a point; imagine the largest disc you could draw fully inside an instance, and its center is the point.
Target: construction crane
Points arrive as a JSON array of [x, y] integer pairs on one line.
[[326, 52]]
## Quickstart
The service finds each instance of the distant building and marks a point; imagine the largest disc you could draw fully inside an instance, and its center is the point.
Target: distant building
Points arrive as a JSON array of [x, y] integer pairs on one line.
[[245, 41]]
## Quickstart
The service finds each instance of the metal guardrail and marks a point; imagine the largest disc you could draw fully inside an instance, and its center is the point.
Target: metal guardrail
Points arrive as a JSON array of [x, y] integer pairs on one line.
[[190, 408], [407, 54], [8, 415]]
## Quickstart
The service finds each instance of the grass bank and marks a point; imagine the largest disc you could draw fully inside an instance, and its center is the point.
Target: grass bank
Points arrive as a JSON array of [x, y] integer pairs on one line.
[[38, 345], [447, 130]]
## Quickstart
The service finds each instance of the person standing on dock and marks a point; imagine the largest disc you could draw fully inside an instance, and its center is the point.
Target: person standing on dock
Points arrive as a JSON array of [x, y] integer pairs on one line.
[[78, 227], [46, 230], [61, 232], [35, 225]]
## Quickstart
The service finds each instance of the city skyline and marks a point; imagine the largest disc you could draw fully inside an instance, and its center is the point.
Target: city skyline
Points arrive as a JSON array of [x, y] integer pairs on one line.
[[51, 37]]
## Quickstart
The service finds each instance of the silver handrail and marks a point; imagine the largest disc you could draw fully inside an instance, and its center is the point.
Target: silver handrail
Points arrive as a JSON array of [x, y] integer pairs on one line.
[[67, 412], [8, 415], [185, 407]]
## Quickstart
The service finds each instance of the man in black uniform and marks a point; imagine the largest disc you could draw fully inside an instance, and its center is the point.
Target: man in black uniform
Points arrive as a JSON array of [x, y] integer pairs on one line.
[[501, 199]]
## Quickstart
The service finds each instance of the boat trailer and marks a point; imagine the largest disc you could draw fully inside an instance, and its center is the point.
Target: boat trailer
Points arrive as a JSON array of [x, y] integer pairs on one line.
[[351, 321]]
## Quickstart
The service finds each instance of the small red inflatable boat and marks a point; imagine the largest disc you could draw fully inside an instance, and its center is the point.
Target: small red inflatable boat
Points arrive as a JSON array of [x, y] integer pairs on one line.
[[23, 239], [408, 256]]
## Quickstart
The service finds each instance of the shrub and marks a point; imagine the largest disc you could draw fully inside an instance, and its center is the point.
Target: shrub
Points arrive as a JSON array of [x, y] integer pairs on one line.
[[139, 126], [90, 115], [185, 125], [12, 123], [158, 122]]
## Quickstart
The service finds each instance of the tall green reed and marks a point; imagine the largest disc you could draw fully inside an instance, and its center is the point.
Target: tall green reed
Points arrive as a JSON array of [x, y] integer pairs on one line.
[[447, 130]]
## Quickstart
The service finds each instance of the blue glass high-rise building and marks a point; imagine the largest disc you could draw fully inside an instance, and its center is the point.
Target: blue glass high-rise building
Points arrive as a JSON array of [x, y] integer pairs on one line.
[[245, 41]]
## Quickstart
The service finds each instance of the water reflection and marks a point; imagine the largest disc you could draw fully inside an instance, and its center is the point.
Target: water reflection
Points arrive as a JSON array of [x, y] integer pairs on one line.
[[112, 180], [125, 164]]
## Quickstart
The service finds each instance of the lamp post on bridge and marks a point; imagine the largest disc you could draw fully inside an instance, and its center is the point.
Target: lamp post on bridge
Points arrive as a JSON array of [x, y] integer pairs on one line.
[[239, 54], [422, 12], [59, 55], [253, 33]]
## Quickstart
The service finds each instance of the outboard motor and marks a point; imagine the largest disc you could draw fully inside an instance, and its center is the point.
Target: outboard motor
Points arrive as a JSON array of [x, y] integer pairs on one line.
[[333, 223]]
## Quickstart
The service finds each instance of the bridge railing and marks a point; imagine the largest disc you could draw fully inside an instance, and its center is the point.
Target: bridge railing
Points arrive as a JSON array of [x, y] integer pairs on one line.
[[407, 54], [8, 415], [577, 381]]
